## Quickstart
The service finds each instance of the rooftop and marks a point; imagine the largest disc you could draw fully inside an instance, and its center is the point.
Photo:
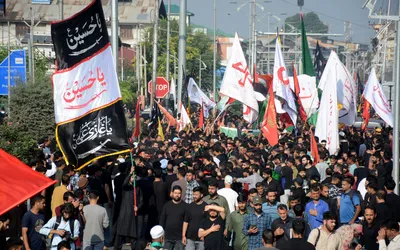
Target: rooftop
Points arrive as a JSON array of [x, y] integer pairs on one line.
[[175, 10], [139, 11]]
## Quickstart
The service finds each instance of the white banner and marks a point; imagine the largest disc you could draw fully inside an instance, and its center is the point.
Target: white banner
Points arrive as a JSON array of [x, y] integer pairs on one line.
[[184, 119], [374, 94], [327, 127], [284, 98], [346, 88], [238, 83], [88, 86], [308, 93], [198, 96]]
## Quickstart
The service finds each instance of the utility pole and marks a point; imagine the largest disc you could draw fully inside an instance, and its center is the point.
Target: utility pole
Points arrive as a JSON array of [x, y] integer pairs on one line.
[[168, 39], [114, 32], [182, 50], [269, 43], [396, 111], [32, 55], [155, 54], [253, 36], [215, 53], [200, 72], [61, 8]]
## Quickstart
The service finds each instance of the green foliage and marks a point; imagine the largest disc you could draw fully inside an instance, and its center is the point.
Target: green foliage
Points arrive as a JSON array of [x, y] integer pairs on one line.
[[312, 23], [21, 145], [128, 92], [32, 109], [196, 44]]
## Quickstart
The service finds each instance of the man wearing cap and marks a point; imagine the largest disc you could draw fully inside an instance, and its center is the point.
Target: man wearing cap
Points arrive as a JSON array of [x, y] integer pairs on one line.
[[229, 194], [255, 223], [157, 236]]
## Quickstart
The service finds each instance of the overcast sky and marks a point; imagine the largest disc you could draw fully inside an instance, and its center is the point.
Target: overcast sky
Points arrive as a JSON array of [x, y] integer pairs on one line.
[[332, 12]]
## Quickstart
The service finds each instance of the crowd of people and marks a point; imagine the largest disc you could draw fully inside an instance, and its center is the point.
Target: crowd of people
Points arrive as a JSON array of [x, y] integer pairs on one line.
[[199, 189]]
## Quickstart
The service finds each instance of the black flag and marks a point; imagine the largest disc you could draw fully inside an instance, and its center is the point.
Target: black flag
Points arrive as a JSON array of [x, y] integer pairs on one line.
[[155, 116], [89, 114], [319, 62]]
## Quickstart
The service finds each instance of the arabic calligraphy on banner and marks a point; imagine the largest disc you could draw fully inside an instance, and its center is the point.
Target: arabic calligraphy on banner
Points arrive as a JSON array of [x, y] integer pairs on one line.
[[99, 133], [81, 89], [91, 130], [80, 36]]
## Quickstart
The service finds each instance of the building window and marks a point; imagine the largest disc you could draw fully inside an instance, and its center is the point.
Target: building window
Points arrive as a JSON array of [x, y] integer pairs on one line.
[[21, 30], [126, 33]]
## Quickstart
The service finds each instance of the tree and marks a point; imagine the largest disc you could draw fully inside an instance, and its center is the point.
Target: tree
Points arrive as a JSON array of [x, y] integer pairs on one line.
[[311, 21], [197, 44]]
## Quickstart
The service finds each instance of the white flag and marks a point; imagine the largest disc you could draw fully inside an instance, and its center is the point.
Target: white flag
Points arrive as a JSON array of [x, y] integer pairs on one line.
[[172, 91], [308, 93], [328, 116], [198, 96], [184, 119], [374, 94], [284, 97], [238, 84], [346, 88]]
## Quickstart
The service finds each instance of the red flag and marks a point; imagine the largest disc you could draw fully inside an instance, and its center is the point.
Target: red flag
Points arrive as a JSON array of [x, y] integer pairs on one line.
[[171, 120], [201, 119], [136, 132], [314, 148], [18, 182], [302, 112], [366, 114], [269, 127]]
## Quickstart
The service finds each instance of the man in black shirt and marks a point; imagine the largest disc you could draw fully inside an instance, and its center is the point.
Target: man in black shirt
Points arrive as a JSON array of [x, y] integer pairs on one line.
[[370, 229], [392, 200], [194, 216], [281, 226], [212, 228], [297, 242], [172, 218]]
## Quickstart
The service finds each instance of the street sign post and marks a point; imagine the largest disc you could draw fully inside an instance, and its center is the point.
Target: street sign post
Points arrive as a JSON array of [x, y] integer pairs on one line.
[[18, 70], [162, 87]]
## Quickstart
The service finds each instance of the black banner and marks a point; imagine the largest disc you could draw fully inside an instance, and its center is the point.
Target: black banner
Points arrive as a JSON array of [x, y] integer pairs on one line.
[[95, 135], [80, 36]]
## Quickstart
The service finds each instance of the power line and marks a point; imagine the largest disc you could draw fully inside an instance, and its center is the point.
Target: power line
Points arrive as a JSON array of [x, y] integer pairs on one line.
[[338, 19]]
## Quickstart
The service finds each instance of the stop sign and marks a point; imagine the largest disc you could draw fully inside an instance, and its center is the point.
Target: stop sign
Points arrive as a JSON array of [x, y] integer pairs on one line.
[[162, 87]]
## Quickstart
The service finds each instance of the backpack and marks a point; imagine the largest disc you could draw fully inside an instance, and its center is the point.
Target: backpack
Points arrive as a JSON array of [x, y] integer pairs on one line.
[[357, 193], [57, 224], [317, 239]]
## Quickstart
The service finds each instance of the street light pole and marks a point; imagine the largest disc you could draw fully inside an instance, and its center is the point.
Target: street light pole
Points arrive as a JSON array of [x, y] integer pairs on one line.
[[396, 111], [114, 32], [253, 35], [215, 53], [32, 47], [168, 39], [138, 55], [182, 50], [61, 9], [155, 54]]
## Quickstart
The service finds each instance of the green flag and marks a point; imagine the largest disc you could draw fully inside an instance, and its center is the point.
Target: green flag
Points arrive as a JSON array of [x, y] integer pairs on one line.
[[308, 66], [262, 107]]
